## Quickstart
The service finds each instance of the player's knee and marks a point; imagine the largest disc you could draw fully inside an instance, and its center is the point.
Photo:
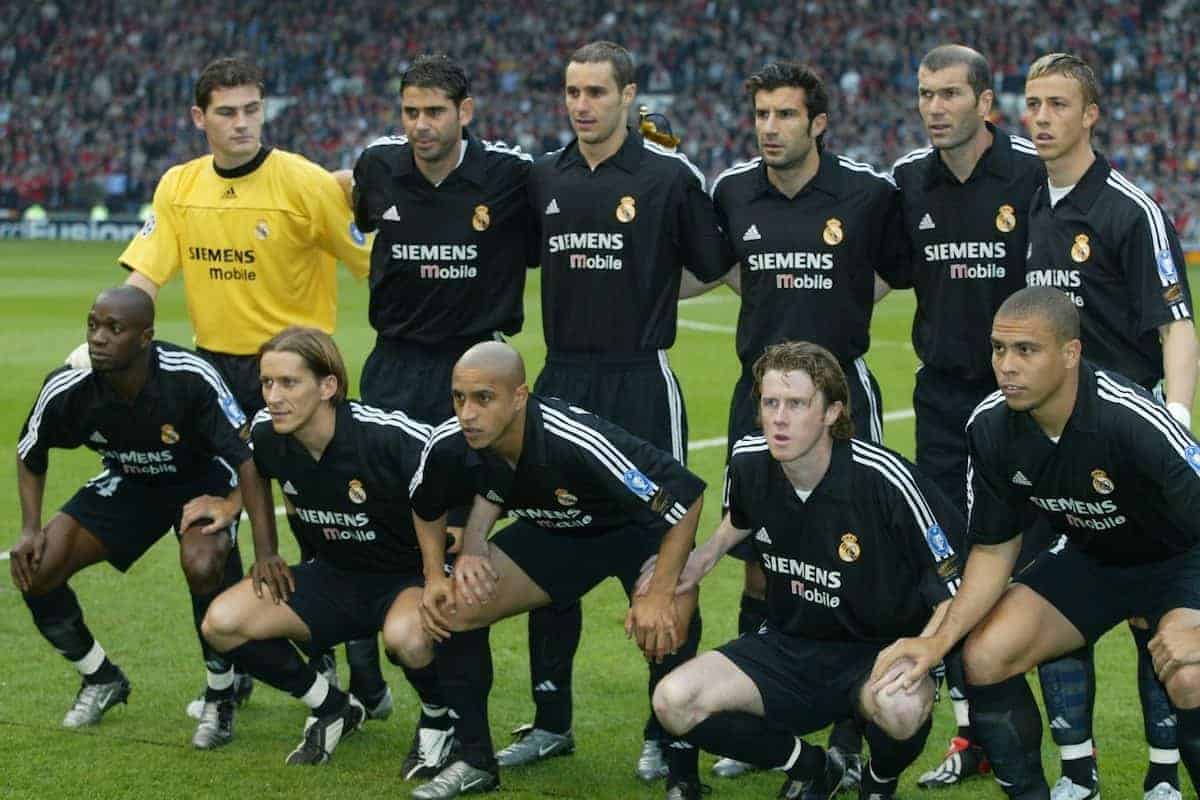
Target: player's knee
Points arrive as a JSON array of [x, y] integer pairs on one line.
[[1183, 687], [675, 703], [407, 643], [902, 714], [986, 659], [221, 621], [203, 565]]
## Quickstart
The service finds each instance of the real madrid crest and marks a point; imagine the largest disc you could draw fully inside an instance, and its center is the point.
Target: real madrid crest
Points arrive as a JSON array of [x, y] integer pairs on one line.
[[169, 434], [833, 234], [481, 219], [849, 550], [357, 493], [1101, 482], [1006, 219], [626, 209], [261, 230], [565, 498], [1081, 250]]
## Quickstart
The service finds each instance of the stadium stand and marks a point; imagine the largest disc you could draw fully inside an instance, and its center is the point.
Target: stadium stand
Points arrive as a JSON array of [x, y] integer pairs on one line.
[[93, 106]]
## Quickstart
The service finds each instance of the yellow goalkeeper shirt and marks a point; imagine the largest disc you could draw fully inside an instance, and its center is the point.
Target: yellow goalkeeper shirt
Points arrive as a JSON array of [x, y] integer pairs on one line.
[[257, 245]]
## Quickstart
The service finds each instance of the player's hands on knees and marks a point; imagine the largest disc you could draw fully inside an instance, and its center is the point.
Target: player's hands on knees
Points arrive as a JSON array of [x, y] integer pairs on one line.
[[652, 621], [273, 572], [920, 655], [1171, 649], [475, 578], [437, 604], [25, 559], [220, 511]]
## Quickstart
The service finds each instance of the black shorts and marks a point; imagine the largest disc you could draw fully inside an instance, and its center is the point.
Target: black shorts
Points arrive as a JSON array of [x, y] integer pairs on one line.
[[412, 377], [805, 684], [128, 516], [339, 606], [866, 404], [1095, 596], [942, 405], [567, 567], [637, 391], [241, 375]]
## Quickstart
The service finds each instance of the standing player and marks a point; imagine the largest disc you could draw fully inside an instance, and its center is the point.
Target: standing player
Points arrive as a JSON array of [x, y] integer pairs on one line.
[[585, 494], [454, 240], [169, 433], [620, 217], [256, 232], [966, 204], [857, 547], [811, 231], [1102, 240], [1093, 454], [346, 467]]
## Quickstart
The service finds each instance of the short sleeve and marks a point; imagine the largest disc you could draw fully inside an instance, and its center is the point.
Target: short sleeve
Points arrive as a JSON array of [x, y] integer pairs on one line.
[[154, 251], [333, 225], [49, 422]]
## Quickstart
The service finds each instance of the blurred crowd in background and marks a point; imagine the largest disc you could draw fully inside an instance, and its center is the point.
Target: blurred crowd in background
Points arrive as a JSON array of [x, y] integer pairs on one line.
[[94, 99]]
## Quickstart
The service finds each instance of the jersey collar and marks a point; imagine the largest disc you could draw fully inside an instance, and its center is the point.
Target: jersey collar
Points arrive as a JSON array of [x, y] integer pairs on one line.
[[836, 482], [533, 445], [1086, 191], [473, 166], [244, 169], [628, 158], [826, 180], [997, 160]]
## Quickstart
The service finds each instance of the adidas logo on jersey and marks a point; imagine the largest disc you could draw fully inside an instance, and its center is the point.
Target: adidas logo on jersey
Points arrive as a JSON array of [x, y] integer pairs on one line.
[[751, 234], [495, 498], [926, 223], [546, 686], [98, 438], [288, 488], [762, 536], [229, 194], [392, 215], [1020, 480], [552, 206]]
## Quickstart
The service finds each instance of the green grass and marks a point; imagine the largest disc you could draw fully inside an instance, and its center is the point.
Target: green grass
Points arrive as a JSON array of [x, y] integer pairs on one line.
[[143, 618]]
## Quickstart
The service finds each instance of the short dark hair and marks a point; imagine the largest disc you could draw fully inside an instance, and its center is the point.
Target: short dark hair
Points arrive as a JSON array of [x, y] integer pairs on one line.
[[613, 53], [979, 71], [779, 74], [1049, 304], [1071, 66], [438, 71], [821, 367], [316, 349], [227, 73]]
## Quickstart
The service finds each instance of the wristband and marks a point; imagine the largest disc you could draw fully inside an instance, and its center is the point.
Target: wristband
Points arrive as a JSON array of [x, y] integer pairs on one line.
[[1181, 414]]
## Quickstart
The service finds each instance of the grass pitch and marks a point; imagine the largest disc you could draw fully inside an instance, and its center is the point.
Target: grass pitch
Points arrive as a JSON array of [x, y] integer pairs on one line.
[[143, 619]]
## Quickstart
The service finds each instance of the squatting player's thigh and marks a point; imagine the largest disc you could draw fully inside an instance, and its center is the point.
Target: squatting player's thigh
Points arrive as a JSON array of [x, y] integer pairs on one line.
[[802, 699], [516, 590], [709, 684], [240, 613], [125, 516], [70, 547], [1023, 630]]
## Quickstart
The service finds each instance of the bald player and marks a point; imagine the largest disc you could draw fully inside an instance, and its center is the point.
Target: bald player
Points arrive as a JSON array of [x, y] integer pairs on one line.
[[584, 493], [170, 435]]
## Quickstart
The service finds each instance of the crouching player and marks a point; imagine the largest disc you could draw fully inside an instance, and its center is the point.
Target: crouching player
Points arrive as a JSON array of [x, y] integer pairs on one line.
[[345, 467], [857, 547], [168, 430]]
